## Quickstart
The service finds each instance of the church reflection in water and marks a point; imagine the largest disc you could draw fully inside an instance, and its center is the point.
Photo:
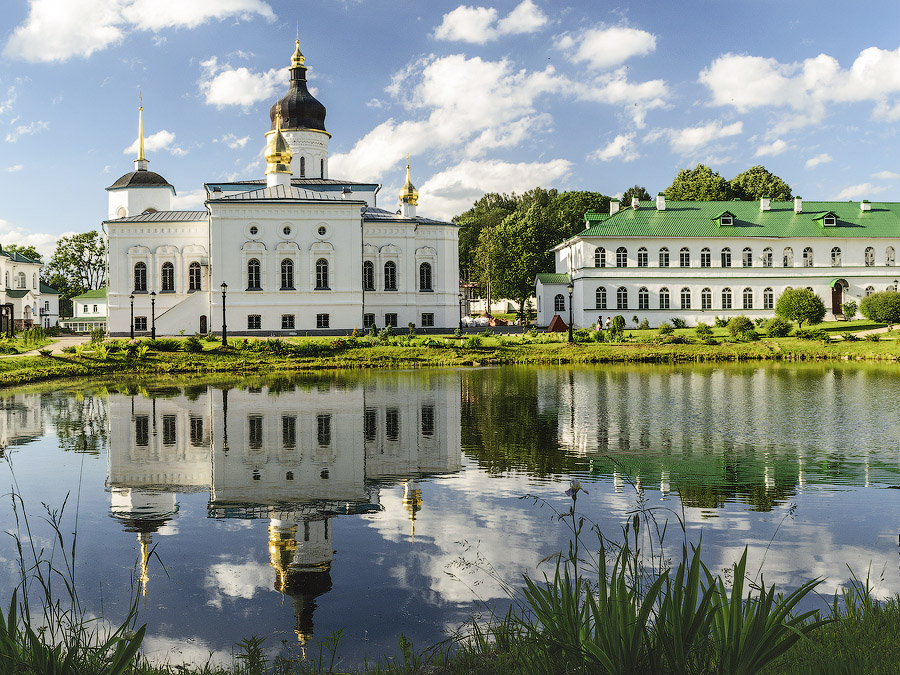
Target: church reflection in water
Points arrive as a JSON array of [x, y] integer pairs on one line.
[[297, 457]]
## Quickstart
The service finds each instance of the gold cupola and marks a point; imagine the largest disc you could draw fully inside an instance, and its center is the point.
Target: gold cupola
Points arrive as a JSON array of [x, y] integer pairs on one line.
[[408, 193], [278, 156]]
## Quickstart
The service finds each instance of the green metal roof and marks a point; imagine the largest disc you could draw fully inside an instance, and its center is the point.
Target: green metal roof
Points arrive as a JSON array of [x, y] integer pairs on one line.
[[99, 294], [18, 257], [699, 219], [48, 290], [85, 319], [553, 278], [16, 293]]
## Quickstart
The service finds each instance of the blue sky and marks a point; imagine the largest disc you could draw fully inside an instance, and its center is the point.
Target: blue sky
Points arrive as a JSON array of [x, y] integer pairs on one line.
[[489, 96]]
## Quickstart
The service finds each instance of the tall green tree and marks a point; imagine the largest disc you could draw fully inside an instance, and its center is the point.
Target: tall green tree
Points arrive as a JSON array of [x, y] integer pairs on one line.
[[700, 184], [28, 251], [489, 211], [638, 191], [80, 260], [757, 182], [800, 304]]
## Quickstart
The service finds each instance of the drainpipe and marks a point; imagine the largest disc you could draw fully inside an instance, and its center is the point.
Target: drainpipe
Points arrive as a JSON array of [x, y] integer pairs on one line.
[[362, 259]]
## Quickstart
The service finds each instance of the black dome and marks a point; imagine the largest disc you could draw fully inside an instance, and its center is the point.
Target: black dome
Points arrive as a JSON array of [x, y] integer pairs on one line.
[[142, 178], [299, 108]]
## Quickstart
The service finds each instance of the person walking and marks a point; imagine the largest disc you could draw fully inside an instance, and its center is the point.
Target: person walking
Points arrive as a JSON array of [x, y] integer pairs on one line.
[[608, 323]]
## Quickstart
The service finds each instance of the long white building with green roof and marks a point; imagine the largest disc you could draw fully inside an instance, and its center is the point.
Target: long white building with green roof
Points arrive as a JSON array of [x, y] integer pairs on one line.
[[701, 260]]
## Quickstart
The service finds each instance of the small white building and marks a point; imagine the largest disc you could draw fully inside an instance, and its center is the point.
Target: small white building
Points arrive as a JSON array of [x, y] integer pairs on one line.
[[701, 260], [22, 292], [48, 305], [89, 311]]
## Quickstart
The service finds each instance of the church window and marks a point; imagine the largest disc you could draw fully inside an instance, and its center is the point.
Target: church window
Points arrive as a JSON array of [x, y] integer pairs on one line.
[[322, 168], [194, 276], [390, 276], [726, 298], [425, 277], [807, 257], [706, 298], [889, 256], [322, 321], [684, 257], [168, 429], [621, 257], [370, 424], [140, 277], [747, 257], [726, 257], [428, 421], [559, 303], [788, 258], [643, 298], [321, 274], [748, 298], [835, 257], [870, 256], [21, 279], [392, 424], [663, 257], [255, 431], [390, 319], [368, 320], [287, 322], [322, 230], [196, 431], [427, 320], [253, 275], [768, 298], [622, 298], [141, 430], [368, 277], [287, 274], [767, 257], [34, 280], [289, 431], [600, 257], [254, 321], [685, 298], [168, 278], [140, 323], [254, 230], [869, 290], [600, 298], [705, 258], [302, 167], [642, 257], [286, 230], [664, 298]]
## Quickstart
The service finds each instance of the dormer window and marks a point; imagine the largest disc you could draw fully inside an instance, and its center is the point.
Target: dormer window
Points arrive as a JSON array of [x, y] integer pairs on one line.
[[830, 221], [726, 219]]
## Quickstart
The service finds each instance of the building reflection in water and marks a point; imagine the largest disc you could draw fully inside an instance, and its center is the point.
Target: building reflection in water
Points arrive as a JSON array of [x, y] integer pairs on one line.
[[296, 456]]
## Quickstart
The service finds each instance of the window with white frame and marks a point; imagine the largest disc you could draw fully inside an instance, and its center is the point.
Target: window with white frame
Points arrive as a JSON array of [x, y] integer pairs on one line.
[[427, 320], [254, 321], [168, 278], [807, 257], [869, 290], [559, 303], [390, 276], [368, 320], [140, 277], [870, 256], [726, 257], [788, 257], [253, 276], [321, 274], [643, 298], [889, 256], [600, 298], [767, 257], [664, 257], [685, 298], [287, 274], [748, 298], [140, 323], [390, 319], [768, 298], [621, 257], [664, 298], [705, 298], [194, 276], [287, 322], [425, 277], [368, 276], [684, 257], [323, 321], [705, 257], [835, 257], [726, 298], [622, 298], [747, 257], [642, 257], [600, 257]]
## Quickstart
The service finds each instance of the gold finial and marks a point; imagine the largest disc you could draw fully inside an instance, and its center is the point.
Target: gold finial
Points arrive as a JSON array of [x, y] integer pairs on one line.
[[412, 501], [408, 193], [141, 128], [278, 152], [298, 60], [144, 540]]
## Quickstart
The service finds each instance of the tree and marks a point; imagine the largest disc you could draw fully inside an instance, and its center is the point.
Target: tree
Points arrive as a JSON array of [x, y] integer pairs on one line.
[[27, 251], [698, 184], [883, 307], [80, 260], [489, 211], [757, 182], [637, 191], [849, 309], [800, 304]]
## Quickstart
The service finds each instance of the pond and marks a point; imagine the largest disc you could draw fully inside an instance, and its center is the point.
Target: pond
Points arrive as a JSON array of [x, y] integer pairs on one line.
[[384, 503]]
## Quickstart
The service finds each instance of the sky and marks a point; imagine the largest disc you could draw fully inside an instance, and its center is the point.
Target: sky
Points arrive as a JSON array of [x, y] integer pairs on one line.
[[493, 96]]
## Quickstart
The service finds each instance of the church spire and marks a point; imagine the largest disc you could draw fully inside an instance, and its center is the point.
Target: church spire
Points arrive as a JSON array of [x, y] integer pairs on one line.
[[278, 156], [140, 164], [409, 196]]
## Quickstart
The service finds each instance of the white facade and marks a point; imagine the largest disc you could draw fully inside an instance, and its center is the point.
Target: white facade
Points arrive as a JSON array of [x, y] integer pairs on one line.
[[296, 253], [647, 272], [23, 291]]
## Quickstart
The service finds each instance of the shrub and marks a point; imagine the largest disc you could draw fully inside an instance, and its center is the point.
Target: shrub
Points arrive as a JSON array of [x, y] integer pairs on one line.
[[872, 337], [212, 338], [849, 337], [412, 329], [618, 324], [800, 304], [812, 334], [778, 327], [386, 333], [582, 335], [883, 307], [458, 332], [46, 353], [487, 332], [665, 328], [533, 331], [739, 324], [849, 309], [678, 323], [674, 340], [759, 322], [163, 344], [472, 342], [703, 331], [748, 335], [192, 345], [720, 322], [97, 335], [598, 336], [70, 349], [644, 325]]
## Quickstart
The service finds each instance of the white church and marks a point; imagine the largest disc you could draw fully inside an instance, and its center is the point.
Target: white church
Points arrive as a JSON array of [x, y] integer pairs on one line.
[[296, 253]]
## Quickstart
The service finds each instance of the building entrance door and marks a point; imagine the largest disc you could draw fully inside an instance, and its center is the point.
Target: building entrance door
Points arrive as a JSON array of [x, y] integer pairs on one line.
[[203, 324], [837, 296]]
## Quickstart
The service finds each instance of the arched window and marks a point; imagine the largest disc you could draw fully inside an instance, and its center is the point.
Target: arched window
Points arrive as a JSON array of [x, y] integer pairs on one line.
[[748, 298], [685, 298], [321, 274], [425, 277], [705, 299], [664, 298], [705, 258], [870, 256], [287, 274], [34, 280], [663, 257], [321, 168], [726, 298], [869, 290], [726, 257], [892, 288], [807, 257], [889, 256], [168, 277], [622, 298], [643, 298], [600, 257], [642, 257], [140, 277], [390, 276], [621, 257], [368, 278], [600, 298], [559, 303], [747, 257], [768, 298], [194, 276], [302, 167], [253, 275], [836, 257], [20, 280], [788, 259], [767, 257], [684, 257]]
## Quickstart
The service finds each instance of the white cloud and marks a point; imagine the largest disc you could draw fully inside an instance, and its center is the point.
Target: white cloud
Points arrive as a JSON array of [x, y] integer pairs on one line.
[[886, 175], [6, 105], [813, 162], [455, 189], [233, 141], [509, 135], [25, 130], [480, 25], [861, 191], [223, 85], [606, 47], [161, 140], [43, 243], [621, 147], [189, 201], [17, 167], [613, 88], [82, 27], [773, 149], [692, 139]]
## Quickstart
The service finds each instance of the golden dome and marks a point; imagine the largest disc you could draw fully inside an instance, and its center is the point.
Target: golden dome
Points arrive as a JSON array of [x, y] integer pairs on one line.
[[408, 193], [278, 152], [298, 59]]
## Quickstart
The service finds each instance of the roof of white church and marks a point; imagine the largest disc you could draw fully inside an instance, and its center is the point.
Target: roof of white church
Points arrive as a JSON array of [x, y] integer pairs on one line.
[[376, 214], [162, 217], [279, 192]]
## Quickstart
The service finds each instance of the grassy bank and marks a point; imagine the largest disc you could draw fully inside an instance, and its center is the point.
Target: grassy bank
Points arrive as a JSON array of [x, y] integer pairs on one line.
[[193, 356]]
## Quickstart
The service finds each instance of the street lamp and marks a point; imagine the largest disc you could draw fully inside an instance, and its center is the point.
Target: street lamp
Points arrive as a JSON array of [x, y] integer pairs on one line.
[[460, 310], [570, 288], [131, 297], [224, 288], [153, 314]]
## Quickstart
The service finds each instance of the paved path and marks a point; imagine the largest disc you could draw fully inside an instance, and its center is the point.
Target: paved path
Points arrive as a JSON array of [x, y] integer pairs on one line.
[[56, 347]]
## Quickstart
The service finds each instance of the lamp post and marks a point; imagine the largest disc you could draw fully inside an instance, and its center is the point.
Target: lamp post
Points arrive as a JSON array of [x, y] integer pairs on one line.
[[460, 310], [570, 288], [131, 297], [153, 314], [224, 288]]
